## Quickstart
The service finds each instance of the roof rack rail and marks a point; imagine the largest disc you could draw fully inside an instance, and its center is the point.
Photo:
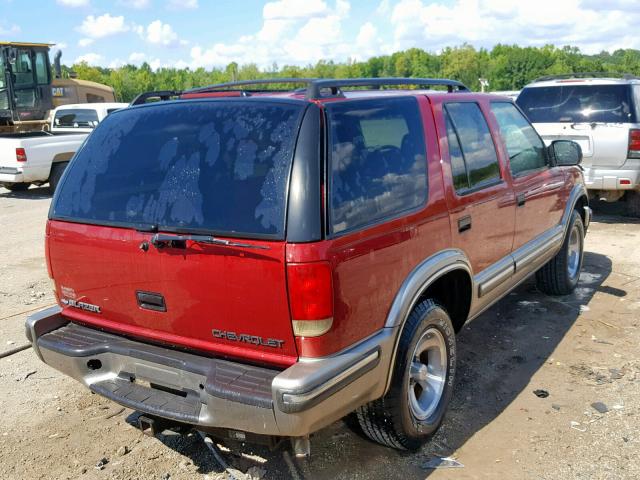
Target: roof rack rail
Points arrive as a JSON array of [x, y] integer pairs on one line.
[[159, 94], [566, 76], [315, 88], [243, 83]]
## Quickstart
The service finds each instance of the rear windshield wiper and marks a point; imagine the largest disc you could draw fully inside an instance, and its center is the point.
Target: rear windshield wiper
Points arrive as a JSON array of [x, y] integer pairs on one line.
[[160, 240]]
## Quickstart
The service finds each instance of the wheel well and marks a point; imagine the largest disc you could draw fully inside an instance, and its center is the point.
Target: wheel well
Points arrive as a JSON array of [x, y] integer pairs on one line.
[[63, 157], [453, 291]]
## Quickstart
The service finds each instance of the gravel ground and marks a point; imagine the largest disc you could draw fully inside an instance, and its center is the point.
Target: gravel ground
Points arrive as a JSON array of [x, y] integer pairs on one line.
[[581, 349]]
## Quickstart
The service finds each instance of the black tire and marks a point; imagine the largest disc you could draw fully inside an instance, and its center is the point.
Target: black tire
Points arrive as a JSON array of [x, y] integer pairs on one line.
[[390, 420], [57, 169], [560, 275], [633, 203], [17, 187]]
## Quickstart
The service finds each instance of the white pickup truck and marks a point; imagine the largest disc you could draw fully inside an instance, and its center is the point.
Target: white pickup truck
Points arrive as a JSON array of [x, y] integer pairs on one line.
[[41, 157]]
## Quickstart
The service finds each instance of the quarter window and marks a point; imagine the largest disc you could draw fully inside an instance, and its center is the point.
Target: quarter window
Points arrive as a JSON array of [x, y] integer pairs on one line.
[[524, 146], [470, 143], [378, 165]]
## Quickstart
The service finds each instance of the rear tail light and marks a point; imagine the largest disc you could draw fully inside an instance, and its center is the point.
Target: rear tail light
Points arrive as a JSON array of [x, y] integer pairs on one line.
[[310, 298], [634, 143], [48, 259], [21, 155], [625, 181]]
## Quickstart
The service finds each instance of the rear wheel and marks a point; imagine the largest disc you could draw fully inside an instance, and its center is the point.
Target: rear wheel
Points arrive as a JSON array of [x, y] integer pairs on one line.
[[633, 203], [560, 275], [421, 385], [57, 169], [17, 187]]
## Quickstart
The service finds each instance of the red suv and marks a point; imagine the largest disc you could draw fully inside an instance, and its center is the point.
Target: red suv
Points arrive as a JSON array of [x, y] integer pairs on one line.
[[259, 264]]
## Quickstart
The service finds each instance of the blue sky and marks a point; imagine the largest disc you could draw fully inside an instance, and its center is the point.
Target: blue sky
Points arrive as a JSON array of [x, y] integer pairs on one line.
[[210, 33]]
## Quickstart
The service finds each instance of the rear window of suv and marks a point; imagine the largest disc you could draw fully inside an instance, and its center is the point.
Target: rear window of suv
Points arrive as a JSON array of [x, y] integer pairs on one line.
[[211, 166], [377, 161], [578, 104]]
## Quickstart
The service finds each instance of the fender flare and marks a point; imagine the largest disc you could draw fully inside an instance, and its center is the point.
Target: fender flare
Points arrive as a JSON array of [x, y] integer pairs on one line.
[[418, 280], [578, 191]]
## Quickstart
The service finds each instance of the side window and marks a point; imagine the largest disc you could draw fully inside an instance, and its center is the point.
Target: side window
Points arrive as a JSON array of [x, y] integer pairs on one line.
[[22, 69], [42, 72], [458, 168], [377, 161], [525, 148], [470, 143], [636, 100]]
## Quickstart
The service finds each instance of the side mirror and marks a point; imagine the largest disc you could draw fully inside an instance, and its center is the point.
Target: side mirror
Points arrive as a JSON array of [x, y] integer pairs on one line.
[[565, 153]]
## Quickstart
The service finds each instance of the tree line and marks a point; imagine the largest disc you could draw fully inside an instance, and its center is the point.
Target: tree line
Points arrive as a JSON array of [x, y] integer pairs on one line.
[[506, 67]]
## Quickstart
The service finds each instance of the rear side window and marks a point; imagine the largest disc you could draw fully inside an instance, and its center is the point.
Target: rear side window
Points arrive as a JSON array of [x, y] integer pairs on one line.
[[470, 143], [218, 167], [378, 165], [577, 103], [77, 118], [525, 148]]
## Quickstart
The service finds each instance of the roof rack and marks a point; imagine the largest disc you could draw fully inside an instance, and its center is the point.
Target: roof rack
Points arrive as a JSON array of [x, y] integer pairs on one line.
[[315, 89], [159, 94], [316, 86], [566, 76], [231, 86]]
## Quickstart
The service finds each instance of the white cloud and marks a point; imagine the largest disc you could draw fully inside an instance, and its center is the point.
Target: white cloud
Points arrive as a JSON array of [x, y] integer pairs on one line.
[[158, 33], [90, 58], [182, 4], [137, 4], [116, 63], [59, 45], [85, 42], [137, 57], [384, 7], [73, 3], [294, 9], [367, 42], [102, 26], [292, 32], [10, 30], [590, 25]]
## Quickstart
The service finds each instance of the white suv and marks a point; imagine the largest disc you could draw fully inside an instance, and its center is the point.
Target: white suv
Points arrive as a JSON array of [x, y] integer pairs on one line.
[[603, 116]]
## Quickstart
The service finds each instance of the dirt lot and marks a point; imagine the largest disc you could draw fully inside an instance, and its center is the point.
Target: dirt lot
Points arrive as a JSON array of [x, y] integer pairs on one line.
[[581, 349]]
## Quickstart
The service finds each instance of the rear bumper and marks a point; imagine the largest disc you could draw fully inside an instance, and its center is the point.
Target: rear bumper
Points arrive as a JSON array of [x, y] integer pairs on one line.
[[11, 175], [598, 178], [210, 392]]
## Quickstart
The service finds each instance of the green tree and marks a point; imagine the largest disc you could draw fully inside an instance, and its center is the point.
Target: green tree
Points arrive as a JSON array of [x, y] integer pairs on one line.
[[507, 67]]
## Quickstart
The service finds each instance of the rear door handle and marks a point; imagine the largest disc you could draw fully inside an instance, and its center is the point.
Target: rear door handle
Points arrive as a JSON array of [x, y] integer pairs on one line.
[[464, 223], [521, 199]]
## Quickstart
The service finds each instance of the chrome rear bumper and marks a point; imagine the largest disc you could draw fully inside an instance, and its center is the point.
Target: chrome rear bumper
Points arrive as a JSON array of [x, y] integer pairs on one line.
[[211, 392]]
